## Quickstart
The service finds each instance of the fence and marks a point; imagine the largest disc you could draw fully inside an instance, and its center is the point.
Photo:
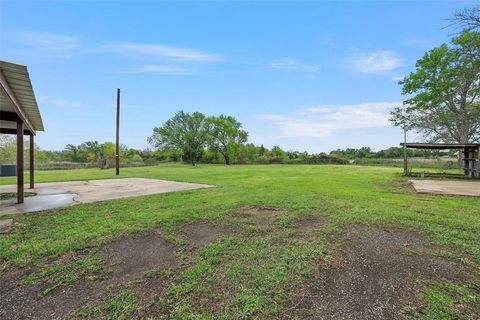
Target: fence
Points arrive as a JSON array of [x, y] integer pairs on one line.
[[78, 165]]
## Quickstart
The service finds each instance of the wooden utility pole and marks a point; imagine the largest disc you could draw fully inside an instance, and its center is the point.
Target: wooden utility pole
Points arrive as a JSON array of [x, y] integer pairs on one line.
[[117, 146]]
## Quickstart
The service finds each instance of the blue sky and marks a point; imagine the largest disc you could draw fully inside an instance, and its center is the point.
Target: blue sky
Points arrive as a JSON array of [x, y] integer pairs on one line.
[[312, 76]]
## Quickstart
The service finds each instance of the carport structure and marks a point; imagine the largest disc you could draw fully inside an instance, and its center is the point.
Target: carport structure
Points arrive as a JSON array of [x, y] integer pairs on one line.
[[19, 115], [469, 155]]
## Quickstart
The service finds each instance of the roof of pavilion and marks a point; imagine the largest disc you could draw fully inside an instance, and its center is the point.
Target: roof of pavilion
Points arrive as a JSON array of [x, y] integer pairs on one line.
[[17, 97]]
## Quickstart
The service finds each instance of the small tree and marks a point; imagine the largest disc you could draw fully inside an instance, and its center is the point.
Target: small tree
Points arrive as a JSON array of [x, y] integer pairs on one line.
[[445, 90], [186, 132], [92, 151], [226, 136], [8, 149], [107, 154], [73, 152]]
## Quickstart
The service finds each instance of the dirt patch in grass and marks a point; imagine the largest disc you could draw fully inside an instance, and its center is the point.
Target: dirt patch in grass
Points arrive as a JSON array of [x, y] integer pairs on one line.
[[308, 223], [25, 302], [128, 257], [138, 253], [372, 277], [201, 233], [258, 215]]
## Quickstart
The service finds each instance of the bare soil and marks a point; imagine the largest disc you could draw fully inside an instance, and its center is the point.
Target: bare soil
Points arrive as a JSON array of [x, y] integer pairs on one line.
[[138, 253], [372, 277], [128, 256], [258, 215], [198, 234], [308, 224]]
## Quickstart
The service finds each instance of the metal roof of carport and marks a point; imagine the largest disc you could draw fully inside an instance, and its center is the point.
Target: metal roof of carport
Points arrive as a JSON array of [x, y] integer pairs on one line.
[[17, 96], [440, 146]]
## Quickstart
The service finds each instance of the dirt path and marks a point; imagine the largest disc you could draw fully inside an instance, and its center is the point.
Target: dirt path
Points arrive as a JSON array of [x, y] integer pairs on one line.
[[373, 277]]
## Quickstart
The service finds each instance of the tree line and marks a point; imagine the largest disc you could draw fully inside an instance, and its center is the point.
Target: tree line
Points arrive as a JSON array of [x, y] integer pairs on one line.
[[239, 151]]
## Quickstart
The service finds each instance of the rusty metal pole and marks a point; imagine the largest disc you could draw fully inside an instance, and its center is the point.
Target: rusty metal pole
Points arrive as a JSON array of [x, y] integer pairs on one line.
[[117, 146], [32, 162], [20, 179]]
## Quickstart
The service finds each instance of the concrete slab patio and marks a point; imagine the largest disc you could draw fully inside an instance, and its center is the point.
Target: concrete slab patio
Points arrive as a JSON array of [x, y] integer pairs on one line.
[[451, 187], [59, 194]]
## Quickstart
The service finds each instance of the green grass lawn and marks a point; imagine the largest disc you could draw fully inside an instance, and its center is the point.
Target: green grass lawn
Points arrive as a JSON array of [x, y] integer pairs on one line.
[[343, 195], [13, 195]]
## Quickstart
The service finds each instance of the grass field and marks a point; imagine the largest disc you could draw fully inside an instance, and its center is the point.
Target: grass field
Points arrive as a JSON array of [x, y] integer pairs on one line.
[[253, 272]]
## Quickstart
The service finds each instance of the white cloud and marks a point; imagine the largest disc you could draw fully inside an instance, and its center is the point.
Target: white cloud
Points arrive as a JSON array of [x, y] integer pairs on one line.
[[323, 121], [377, 61], [159, 51], [318, 109], [58, 102], [398, 78], [293, 65], [43, 40], [59, 43], [328, 42], [160, 69]]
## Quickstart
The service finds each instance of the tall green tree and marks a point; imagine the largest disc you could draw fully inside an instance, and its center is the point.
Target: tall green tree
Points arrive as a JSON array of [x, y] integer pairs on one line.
[[444, 92], [226, 136], [185, 132]]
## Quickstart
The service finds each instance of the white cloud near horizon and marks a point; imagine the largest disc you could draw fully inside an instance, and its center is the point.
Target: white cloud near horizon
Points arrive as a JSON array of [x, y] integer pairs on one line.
[[45, 40], [58, 102], [293, 65], [377, 61], [61, 43], [159, 51], [323, 121], [160, 69]]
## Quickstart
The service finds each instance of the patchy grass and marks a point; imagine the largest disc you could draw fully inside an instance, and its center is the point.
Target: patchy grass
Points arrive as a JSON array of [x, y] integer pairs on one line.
[[122, 306], [62, 274], [247, 274], [243, 276], [13, 195], [445, 300]]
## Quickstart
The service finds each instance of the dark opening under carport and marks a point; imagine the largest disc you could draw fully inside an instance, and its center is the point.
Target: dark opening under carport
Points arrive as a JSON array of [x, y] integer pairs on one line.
[[469, 155]]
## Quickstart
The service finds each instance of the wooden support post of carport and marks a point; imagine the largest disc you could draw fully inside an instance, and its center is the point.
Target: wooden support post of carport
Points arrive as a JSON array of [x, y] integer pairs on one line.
[[477, 162], [20, 179], [32, 162]]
